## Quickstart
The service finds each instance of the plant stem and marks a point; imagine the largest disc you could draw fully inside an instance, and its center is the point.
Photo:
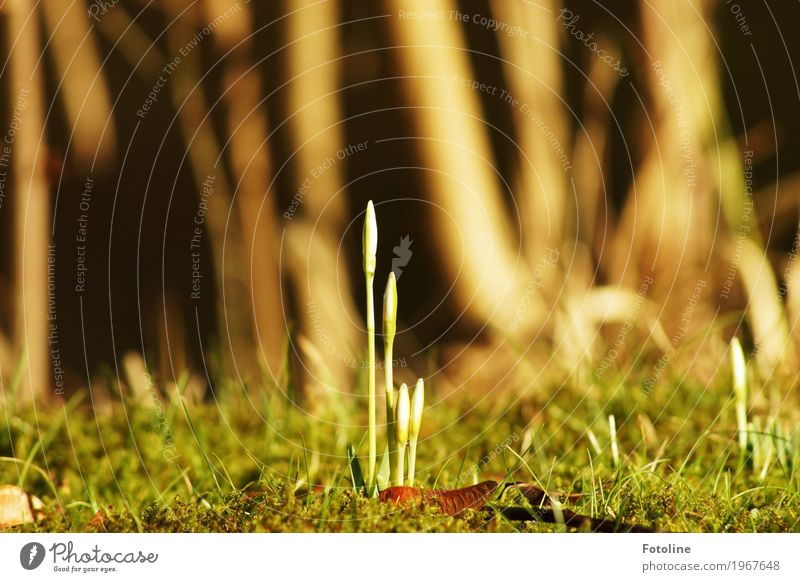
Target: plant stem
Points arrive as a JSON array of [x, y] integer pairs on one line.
[[401, 419], [412, 461], [401, 462], [415, 423], [612, 429], [739, 373], [369, 242], [373, 443], [387, 362], [389, 330]]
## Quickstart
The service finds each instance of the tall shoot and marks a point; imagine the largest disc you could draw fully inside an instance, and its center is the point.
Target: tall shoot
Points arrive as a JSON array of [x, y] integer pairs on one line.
[[401, 422], [403, 417], [612, 429], [389, 330], [739, 374], [417, 404], [370, 248]]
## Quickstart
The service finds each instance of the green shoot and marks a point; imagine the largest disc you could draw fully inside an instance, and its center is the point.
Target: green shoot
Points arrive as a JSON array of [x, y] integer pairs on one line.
[[382, 477], [594, 442], [370, 249], [417, 405], [612, 429], [739, 373], [389, 330], [401, 422]]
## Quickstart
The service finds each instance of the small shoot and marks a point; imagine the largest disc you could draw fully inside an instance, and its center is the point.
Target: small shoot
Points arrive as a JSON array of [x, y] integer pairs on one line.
[[594, 442], [370, 249], [417, 405], [612, 429], [739, 373], [389, 331], [768, 446], [527, 441], [382, 477], [401, 425]]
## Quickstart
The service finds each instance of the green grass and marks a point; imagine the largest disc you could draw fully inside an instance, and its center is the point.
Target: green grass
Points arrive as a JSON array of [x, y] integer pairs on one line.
[[244, 462]]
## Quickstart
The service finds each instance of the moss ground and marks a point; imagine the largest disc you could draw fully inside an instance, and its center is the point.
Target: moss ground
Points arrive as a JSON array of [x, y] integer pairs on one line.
[[243, 464]]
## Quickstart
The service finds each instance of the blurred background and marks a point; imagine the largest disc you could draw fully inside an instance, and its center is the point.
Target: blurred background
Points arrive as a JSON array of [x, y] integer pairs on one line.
[[563, 190]]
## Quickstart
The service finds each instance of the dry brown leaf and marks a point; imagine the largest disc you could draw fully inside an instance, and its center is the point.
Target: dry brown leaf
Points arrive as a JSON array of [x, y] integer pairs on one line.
[[451, 502]]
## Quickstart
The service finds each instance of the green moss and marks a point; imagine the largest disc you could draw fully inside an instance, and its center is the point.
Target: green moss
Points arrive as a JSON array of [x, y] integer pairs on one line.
[[244, 469]]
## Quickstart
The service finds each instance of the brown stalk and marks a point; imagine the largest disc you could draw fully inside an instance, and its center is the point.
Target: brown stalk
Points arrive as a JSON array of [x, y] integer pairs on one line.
[[478, 244], [533, 69], [204, 154], [316, 133], [250, 164], [81, 81], [32, 198]]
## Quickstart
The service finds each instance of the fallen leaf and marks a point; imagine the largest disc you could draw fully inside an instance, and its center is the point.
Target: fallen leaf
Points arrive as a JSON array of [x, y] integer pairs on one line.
[[451, 502], [454, 501], [401, 494]]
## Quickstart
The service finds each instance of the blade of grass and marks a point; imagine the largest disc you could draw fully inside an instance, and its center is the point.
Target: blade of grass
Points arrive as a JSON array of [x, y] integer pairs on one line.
[[43, 444], [356, 476], [200, 446]]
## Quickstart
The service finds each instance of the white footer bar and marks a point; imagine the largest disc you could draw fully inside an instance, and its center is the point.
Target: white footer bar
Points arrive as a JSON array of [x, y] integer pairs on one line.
[[400, 557]]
